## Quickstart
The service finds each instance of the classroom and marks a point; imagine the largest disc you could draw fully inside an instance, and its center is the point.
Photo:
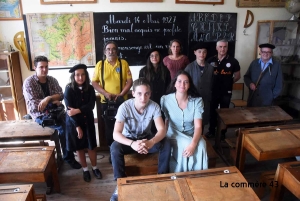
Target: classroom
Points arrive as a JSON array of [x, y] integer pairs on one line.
[[138, 26]]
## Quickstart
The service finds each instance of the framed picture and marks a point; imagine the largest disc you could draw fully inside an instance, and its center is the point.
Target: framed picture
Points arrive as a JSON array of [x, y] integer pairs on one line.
[[123, 1], [67, 1], [11, 10], [265, 3], [200, 1]]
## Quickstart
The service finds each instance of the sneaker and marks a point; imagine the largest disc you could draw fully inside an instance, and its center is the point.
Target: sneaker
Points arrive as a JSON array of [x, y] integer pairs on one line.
[[209, 135], [74, 164], [86, 176], [114, 196], [97, 173]]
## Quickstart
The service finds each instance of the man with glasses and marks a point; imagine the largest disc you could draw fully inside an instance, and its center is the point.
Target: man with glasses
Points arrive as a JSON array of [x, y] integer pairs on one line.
[[264, 78], [226, 72], [113, 87]]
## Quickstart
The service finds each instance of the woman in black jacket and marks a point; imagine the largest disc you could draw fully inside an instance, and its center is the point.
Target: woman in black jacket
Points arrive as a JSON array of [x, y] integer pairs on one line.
[[157, 74]]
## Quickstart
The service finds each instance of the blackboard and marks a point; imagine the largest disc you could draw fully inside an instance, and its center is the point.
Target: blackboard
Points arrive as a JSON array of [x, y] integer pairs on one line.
[[137, 32]]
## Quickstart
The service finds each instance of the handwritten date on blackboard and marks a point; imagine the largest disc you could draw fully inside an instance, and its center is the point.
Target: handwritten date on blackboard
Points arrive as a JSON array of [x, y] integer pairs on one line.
[[136, 33]]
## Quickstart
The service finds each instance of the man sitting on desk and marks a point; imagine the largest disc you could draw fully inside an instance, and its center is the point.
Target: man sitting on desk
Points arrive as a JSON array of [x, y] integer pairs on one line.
[[264, 78], [41, 90], [132, 132]]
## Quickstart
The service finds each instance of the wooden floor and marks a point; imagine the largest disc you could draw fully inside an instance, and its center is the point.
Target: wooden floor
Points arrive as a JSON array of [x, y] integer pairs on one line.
[[74, 188]]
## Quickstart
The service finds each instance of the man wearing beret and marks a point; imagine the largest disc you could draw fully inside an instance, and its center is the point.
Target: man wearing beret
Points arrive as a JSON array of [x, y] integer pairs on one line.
[[263, 78], [202, 74], [227, 72], [112, 79], [40, 92]]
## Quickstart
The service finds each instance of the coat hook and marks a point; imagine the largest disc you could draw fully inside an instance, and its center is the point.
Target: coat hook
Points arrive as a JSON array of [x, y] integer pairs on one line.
[[71, 5], [245, 32]]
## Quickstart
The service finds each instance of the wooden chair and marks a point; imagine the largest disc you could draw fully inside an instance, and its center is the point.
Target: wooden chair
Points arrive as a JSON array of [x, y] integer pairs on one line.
[[239, 102], [140, 164]]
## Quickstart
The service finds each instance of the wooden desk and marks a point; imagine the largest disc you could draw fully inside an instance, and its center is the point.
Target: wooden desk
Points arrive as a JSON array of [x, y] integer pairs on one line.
[[248, 117], [29, 130], [17, 192], [198, 185], [287, 175], [28, 165], [270, 143]]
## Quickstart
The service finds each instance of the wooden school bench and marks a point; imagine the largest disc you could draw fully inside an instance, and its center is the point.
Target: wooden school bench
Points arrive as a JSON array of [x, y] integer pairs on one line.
[[270, 143], [140, 164], [28, 130], [20, 192], [247, 117], [213, 184], [28, 165], [288, 176]]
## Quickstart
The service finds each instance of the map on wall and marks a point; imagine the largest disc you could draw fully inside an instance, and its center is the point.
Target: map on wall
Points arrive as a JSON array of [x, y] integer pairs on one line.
[[10, 9], [65, 38]]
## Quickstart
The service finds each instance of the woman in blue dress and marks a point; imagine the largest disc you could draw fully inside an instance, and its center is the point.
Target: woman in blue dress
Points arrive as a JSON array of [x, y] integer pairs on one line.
[[80, 100], [183, 108]]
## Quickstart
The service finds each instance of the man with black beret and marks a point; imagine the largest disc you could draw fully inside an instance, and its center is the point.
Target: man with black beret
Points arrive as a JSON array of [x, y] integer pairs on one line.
[[202, 74], [263, 78]]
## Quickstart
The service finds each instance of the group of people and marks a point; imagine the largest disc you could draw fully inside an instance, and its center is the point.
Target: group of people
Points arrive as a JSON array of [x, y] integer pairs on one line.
[[173, 100]]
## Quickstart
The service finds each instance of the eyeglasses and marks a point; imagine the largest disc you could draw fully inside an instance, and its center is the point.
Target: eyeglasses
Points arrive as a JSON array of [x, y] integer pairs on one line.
[[111, 50], [263, 52]]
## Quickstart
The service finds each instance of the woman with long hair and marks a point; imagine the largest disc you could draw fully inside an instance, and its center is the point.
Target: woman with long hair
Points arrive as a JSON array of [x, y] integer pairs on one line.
[[175, 61], [183, 108], [157, 74], [80, 100]]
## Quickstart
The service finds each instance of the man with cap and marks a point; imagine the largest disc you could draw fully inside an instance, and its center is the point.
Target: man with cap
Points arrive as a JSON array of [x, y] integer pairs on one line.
[[112, 87], [263, 78], [227, 72], [42, 91], [202, 74]]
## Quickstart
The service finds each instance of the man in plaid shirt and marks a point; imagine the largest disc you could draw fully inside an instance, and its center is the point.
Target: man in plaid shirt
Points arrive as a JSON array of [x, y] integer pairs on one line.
[[39, 91]]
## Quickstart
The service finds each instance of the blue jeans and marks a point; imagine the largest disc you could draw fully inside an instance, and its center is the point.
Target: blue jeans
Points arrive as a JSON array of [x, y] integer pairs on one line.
[[68, 156], [118, 151]]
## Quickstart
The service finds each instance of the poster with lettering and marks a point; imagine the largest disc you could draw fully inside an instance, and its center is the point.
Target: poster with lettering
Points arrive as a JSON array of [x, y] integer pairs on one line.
[[211, 27], [136, 33]]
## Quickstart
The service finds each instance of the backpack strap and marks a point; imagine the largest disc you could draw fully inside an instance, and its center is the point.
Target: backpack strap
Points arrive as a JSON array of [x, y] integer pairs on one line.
[[102, 75]]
